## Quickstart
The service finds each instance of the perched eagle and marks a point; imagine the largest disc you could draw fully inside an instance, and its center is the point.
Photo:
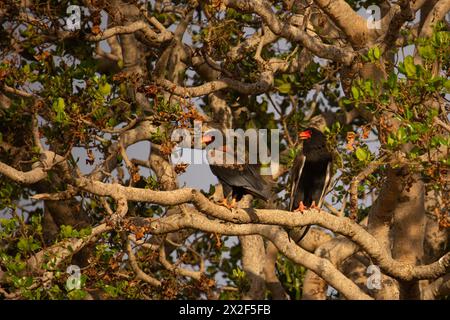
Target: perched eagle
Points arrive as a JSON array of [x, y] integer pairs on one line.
[[310, 175], [238, 179]]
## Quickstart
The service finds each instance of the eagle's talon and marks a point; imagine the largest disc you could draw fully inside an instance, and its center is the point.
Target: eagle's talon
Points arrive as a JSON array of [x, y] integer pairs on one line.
[[227, 205], [223, 202], [301, 207]]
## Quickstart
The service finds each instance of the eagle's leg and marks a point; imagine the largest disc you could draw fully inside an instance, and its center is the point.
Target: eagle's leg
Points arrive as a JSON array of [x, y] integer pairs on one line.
[[314, 206], [301, 207], [225, 203], [233, 203]]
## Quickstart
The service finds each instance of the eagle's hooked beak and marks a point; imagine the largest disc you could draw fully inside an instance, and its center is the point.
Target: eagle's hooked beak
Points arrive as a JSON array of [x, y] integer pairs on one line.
[[206, 139], [304, 135]]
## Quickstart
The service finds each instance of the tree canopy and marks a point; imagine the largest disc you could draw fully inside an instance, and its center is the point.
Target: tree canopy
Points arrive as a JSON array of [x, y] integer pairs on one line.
[[83, 80]]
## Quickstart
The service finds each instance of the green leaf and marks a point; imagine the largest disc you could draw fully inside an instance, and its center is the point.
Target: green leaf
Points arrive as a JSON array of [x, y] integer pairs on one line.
[[284, 88], [23, 244], [447, 85], [77, 294], [440, 39], [414, 137], [290, 77], [370, 55], [427, 52], [355, 93], [85, 232], [104, 89], [368, 88], [361, 154], [26, 68], [58, 106], [377, 53], [408, 113], [27, 244], [401, 134], [410, 67], [346, 101], [68, 232], [438, 140], [111, 291]]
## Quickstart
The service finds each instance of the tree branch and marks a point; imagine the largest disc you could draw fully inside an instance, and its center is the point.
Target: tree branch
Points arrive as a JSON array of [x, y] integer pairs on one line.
[[292, 33], [340, 225], [441, 8], [131, 28], [353, 25], [246, 88]]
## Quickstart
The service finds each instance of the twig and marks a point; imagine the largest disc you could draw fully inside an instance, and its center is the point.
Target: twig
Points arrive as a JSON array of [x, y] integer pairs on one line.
[[355, 183], [182, 271], [442, 124], [137, 270]]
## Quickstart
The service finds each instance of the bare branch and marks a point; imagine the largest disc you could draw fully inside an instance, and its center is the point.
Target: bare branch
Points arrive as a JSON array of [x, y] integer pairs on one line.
[[272, 282], [47, 160], [247, 88], [197, 275], [252, 247], [290, 32], [437, 289], [408, 231], [336, 251], [275, 234], [131, 28], [355, 182], [141, 275], [354, 26], [441, 8], [340, 225], [18, 92], [442, 124]]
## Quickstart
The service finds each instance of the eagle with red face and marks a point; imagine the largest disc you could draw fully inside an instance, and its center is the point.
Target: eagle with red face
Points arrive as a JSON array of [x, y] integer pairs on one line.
[[310, 174]]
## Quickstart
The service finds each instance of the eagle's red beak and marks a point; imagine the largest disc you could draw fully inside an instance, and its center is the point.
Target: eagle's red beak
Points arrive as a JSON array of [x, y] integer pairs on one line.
[[207, 139], [304, 135]]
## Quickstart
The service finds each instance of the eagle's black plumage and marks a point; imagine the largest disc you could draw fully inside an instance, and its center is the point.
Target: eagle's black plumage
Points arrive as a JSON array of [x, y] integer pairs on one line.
[[310, 174], [240, 179]]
